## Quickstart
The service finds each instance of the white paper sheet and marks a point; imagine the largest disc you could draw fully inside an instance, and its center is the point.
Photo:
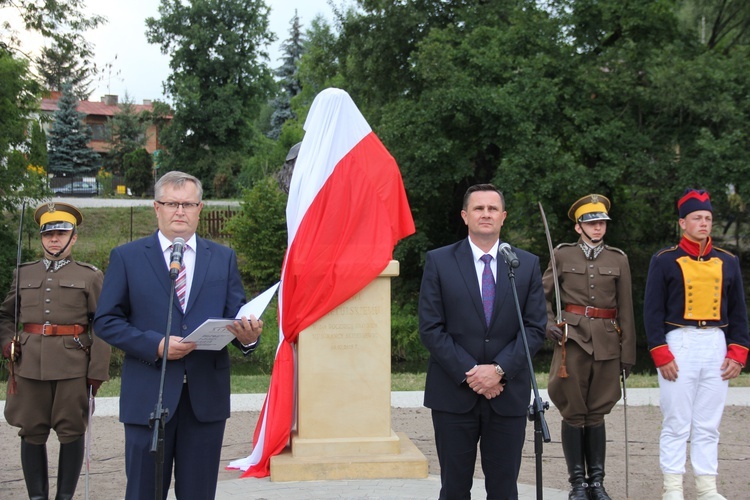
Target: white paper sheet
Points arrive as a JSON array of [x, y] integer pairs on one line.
[[212, 334]]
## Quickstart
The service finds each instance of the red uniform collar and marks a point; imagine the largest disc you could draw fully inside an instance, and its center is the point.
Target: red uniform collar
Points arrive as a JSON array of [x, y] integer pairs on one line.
[[693, 248]]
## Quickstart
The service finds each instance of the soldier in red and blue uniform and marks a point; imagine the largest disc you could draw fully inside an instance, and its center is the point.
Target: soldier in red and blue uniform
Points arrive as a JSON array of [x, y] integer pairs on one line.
[[697, 330]]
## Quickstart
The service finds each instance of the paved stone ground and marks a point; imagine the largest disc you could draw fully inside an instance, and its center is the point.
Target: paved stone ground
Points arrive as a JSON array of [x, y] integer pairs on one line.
[[107, 476]]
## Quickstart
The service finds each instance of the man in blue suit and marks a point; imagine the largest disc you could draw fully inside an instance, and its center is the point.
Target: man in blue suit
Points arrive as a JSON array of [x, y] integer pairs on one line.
[[478, 384], [132, 316]]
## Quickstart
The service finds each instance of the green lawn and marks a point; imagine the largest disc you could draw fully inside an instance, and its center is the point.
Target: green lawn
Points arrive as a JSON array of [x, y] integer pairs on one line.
[[258, 384]]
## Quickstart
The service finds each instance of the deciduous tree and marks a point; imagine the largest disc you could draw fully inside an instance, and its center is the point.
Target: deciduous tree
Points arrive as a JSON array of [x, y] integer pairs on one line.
[[128, 129], [219, 78], [259, 233], [137, 166], [38, 147], [551, 101], [17, 103], [62, 21]]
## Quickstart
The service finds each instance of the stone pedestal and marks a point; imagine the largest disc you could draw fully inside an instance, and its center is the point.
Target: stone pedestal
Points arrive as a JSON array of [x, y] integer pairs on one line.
[[344, 396]]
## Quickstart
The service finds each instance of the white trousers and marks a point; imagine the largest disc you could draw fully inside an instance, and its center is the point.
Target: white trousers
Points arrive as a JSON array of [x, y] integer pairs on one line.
[[692, 405]]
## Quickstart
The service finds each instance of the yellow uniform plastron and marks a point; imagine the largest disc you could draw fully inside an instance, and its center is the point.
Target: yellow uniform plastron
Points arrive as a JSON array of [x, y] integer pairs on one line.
[[703, 285]]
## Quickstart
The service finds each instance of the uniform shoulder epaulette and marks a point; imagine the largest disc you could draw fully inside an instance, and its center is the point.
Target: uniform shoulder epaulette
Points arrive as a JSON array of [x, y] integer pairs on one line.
[[665, 250], [86, 264], [724, 251], [615, 249], [29, 263], [566, 245]]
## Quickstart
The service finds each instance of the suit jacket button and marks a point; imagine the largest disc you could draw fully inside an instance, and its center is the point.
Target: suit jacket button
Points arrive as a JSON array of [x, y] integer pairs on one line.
[[486, 340]]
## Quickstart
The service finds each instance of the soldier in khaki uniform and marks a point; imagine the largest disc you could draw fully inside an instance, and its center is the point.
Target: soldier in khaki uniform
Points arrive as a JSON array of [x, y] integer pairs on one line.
[[597, 303], [56, 356]]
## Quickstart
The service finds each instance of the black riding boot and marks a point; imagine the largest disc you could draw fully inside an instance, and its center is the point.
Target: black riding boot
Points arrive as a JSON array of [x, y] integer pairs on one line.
[[596, 450], [69, 468], [572, 444], [34, 464]]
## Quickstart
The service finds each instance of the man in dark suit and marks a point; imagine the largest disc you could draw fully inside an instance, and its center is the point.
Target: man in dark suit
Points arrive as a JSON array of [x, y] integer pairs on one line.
[[132, 316], [478, 384]]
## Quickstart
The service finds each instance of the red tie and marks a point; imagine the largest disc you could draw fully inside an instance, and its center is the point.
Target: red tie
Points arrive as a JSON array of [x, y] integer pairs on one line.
[[180, 286]]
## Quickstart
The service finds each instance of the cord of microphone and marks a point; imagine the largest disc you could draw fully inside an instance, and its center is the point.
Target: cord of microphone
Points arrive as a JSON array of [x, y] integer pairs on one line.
[[509, 255], [175, 259]]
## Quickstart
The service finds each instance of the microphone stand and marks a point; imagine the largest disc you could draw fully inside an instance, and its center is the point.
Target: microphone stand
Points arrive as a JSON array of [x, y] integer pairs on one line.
[[159, 416], [537, 407]]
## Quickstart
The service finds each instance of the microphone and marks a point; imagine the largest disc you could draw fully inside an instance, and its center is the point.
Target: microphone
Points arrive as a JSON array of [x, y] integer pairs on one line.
[[175, 260], [509, 255]]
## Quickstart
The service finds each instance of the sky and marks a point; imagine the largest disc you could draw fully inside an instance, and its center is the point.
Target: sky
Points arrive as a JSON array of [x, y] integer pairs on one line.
[[130, 64]]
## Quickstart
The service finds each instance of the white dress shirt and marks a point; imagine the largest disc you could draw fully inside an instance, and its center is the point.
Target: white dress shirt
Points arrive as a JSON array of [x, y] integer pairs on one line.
[[188, 259], [479, 265]]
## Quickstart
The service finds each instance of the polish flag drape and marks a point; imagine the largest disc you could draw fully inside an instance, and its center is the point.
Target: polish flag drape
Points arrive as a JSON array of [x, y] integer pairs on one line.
[[346, 211]]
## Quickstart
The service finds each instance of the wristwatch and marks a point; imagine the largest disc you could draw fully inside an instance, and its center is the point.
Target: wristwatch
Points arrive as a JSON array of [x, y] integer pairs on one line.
[[499, 370]]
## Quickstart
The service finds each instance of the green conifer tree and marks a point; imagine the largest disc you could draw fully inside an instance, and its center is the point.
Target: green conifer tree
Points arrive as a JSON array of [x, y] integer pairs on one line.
[[69, 153], [293, 48]]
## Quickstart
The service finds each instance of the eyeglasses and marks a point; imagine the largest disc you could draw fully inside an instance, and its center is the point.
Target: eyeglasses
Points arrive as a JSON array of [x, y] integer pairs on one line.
[[173, 205]]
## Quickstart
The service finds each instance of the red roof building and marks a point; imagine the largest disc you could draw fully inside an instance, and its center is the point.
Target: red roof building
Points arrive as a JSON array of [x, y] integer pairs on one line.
[[97, 117]]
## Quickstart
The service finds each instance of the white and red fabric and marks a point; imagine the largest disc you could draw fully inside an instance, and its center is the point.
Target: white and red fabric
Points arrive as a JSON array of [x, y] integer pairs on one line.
[[346, 211]]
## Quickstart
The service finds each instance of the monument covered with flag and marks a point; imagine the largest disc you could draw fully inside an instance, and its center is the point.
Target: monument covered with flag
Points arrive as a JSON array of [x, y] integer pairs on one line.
[[346, 211]]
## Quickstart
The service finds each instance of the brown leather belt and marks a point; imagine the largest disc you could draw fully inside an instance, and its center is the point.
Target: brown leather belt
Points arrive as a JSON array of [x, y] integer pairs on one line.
[[591, 312], [49, 330]]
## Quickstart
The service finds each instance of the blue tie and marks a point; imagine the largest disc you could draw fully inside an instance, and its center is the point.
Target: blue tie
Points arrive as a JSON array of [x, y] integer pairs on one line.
[[488, 287]]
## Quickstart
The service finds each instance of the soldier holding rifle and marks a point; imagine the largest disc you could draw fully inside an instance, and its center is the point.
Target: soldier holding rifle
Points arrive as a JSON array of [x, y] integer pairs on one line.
[[595, 337]]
